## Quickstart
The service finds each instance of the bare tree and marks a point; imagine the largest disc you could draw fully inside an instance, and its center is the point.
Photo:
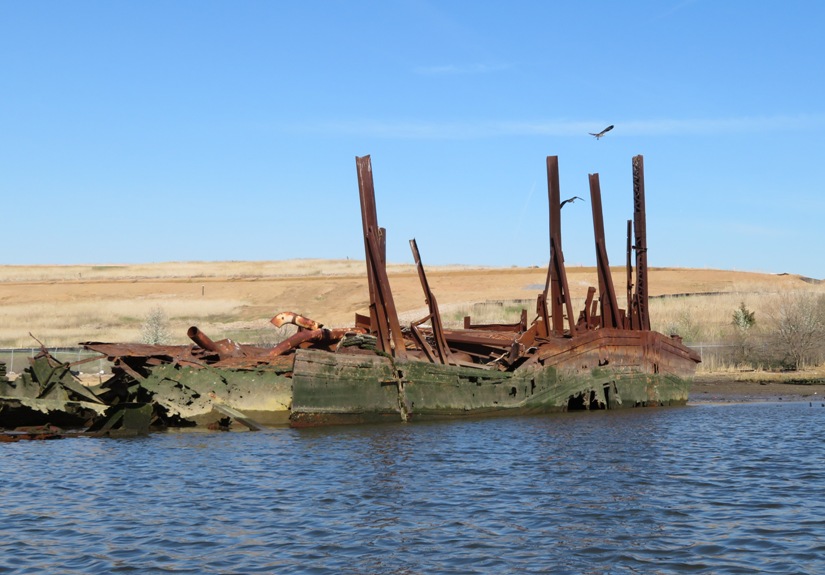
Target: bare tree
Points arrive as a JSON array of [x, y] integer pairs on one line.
[[799, 326]]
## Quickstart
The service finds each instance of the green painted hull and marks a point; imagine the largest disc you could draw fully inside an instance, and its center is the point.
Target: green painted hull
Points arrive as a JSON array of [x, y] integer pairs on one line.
[[188, 395], [604, 371], [599, 369]]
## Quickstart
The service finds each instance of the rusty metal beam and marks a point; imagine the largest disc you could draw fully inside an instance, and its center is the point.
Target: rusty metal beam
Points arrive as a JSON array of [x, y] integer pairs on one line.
[[640, 227], [383, 315], [519, 327], [443, 350], [558, 265], [382, 306], [224, 348], [632, 304], [629, 266], [557, 277], [369, 220], [587, 312], [320, 335], [607, 294]]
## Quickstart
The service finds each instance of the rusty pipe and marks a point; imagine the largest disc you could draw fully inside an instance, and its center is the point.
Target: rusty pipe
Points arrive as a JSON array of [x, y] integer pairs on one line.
[[201, 339], [291, 317], [224, 348], [322, 335]]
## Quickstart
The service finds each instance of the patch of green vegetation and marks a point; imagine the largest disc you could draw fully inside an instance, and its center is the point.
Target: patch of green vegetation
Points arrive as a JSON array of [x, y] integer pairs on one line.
[[508, 311]]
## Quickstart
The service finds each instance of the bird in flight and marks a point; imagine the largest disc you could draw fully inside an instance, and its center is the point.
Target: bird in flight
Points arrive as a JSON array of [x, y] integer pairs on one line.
[[602, 133], [570, 200]]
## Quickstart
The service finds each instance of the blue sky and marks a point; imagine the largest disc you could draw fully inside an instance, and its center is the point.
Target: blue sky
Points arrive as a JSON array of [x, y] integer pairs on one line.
[[194, 130]]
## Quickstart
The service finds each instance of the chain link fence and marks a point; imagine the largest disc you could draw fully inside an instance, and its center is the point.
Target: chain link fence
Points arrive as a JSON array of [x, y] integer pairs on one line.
[[17, 360]]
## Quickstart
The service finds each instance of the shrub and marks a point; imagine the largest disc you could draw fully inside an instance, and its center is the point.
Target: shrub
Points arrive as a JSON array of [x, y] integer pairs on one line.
[[155, 328], [743, 322], [799, 326]]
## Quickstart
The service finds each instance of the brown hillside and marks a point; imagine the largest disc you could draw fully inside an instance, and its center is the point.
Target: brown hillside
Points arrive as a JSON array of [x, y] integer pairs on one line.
[[64, 305]]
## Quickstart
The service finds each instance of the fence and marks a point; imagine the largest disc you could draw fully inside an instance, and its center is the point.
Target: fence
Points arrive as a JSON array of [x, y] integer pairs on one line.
[[713, 354], [17, 360]]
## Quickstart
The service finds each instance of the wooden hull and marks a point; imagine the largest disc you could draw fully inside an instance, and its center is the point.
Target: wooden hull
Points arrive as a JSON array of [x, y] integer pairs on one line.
[[189, 394], [604, 369], [600, 369]]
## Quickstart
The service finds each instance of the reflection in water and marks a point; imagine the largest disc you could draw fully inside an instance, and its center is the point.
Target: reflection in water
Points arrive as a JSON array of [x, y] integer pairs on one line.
[[715, 489]]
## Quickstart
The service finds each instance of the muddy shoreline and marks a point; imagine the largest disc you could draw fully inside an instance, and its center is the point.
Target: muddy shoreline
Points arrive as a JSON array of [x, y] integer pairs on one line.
[[718, 388]]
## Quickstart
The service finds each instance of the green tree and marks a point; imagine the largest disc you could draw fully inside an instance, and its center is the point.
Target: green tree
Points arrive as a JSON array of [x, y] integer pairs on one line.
[[743, 322], [743, 318]]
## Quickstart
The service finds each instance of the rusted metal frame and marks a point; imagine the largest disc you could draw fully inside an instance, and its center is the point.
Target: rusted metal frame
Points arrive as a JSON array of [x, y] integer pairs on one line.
[[379, 325], [320, 335], [224, 348], [390, 337], [632, 319], [122, 364], [587, 313], [629, 278], [519, 327], [485, 352], [557, 276], [298, 338], [85, 360], [383, 314], [295, 319], [640, 227], [611, 314], [493, 340], [607, 294], [543, 327], [369, 220], [422, 343], [443, 350], [558, 265]]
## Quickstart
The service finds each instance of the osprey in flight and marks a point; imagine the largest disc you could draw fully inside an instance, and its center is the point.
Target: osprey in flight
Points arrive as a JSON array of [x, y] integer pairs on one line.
[[570, 200], [602, 133]]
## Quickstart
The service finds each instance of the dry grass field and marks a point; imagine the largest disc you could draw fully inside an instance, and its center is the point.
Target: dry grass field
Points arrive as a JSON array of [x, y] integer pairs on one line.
[[65, 305]]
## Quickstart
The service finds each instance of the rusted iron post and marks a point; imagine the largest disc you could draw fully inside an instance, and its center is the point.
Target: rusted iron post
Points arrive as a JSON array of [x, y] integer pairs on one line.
[[554, 197], [632, 318], [640, 227], [558, 266], [368, 220], [589, 308], [383, 315], [607, 294]]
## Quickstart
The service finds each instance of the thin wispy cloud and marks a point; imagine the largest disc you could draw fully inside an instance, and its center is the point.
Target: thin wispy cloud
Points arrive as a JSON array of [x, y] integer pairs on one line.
[[459, 69], [422, 129], [739, 228], [711, 126]]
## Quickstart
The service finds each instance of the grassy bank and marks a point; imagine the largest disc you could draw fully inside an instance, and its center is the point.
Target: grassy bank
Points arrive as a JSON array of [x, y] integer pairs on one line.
[[64, 305]]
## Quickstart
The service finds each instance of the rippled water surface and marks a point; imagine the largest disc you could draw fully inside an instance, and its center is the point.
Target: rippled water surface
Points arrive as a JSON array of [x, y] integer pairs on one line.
[[702, 489]]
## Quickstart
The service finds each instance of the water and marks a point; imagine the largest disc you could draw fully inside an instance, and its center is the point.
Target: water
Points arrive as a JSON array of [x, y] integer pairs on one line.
[[703, 489]]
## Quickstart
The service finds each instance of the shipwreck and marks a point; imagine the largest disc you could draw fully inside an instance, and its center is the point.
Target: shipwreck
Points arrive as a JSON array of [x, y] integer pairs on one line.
[[560, 359]]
